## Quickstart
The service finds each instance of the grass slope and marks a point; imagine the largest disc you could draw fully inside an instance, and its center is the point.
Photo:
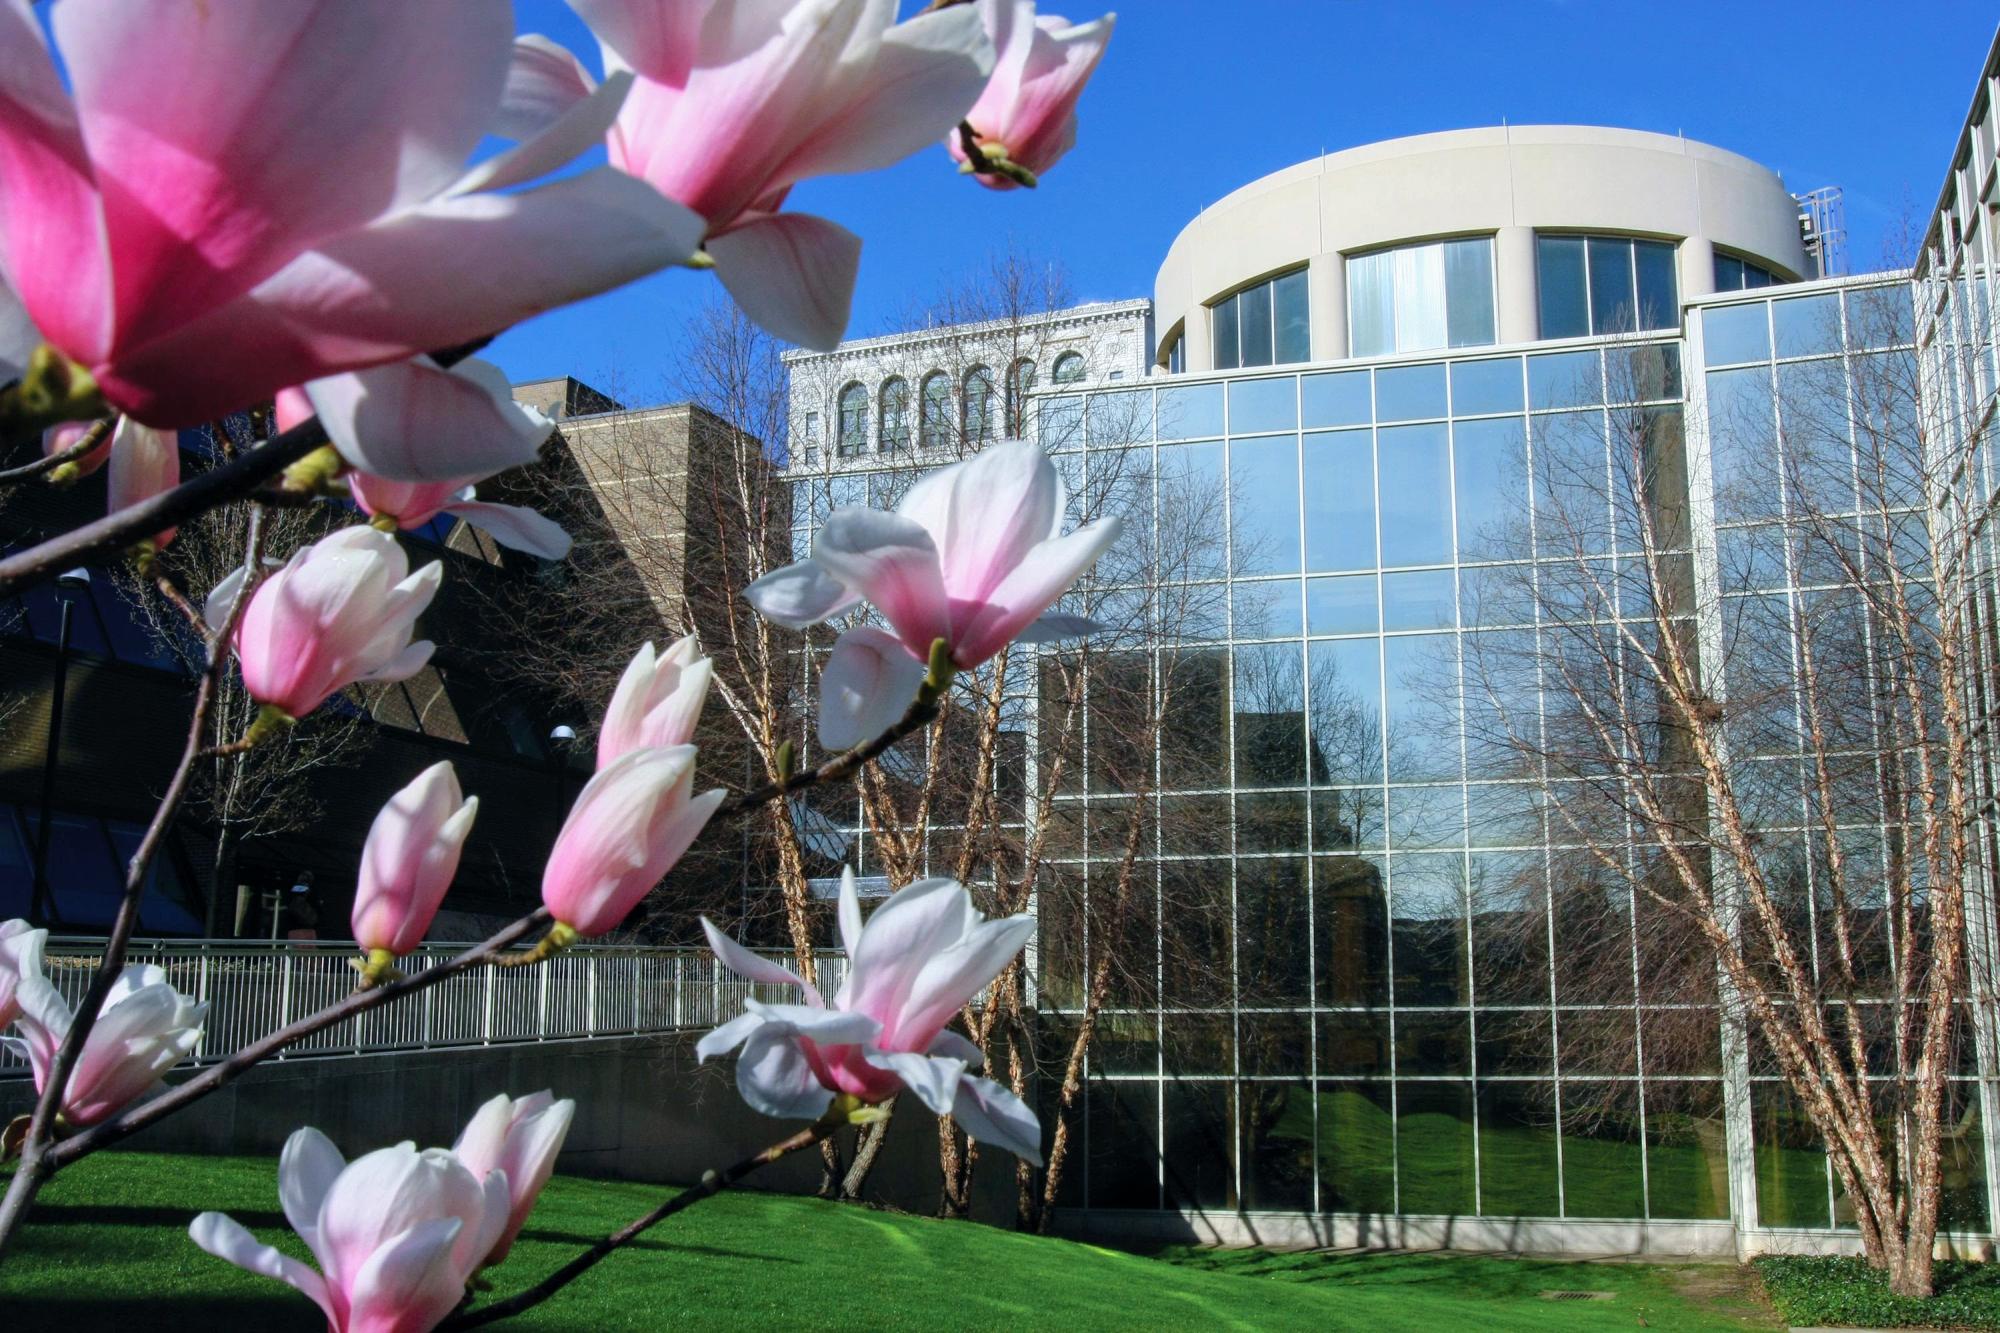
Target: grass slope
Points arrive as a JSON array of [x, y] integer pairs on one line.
[[108, 1249]]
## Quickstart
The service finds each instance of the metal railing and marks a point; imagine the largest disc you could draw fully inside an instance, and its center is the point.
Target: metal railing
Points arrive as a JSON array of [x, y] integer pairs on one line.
[[255, 987]]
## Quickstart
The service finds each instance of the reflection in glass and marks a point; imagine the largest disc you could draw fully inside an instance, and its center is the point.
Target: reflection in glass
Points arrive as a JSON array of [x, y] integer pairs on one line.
[[1124, 1157], [1434, 1147], [1427, 895], [1190, 412], [1425, 818], [1806, 325], [1432, 1041], [1357, 1150], [1277, 1149], [1490, 468], [1733, 333], [1263, 405], [1340, 500], [1342, 398], [1510, 948], [1346, 716], [1420, 677], [1565, 379], [1270, 711], [1478, 387], [1254, 320], [1611, 308], [1344, 605], [1565, 302], [1687, 1158], [1273, 935], [1415, 486], [1264, 505], [1423, 599], [1200, 1134], [1268, 609], [1603, 1167], [1791, 1160], [1517, 1149], [1351, 946], [1292, 317], [1409, 393]]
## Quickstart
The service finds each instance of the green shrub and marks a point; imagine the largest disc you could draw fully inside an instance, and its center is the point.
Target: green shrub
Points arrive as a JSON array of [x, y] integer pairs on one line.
[[1831, 1291]]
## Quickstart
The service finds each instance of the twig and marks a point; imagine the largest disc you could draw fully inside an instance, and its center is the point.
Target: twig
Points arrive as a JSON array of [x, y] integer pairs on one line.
[[50, 462], [34, 1167], [712, 1183]]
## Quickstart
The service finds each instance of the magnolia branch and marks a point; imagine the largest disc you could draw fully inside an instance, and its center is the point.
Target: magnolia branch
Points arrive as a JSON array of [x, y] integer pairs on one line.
[[51, 462], [712, 1183]]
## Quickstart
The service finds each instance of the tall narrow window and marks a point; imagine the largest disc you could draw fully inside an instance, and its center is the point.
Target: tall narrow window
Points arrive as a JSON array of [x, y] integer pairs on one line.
[[1020, 383], [978, 404], [1605, 284], [935, 426], [1069, 368], [853, 420], [895, 413], [1418, 297]]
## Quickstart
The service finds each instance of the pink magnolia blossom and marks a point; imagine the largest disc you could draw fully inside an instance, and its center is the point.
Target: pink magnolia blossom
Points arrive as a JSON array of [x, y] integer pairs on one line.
[[520, 1137], [397, 1233], [221, 201], [736, 103], [144, 1028], [339, 611], [20, 956], [974, 554], [920, 958], [629, 825], [658, 701], [67, 435], [408, 862], [144, 462], [1027, 115]]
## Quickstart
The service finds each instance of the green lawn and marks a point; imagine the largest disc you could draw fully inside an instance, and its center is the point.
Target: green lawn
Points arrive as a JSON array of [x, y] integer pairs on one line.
[[107, 1249]]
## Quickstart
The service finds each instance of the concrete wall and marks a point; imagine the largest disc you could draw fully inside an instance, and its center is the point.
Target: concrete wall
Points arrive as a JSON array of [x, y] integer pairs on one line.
[[645, 1111], [1505, 182]]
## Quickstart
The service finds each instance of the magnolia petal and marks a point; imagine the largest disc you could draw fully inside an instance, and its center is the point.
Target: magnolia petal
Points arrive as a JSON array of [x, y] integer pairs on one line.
[[225, 1238], [850, 912], [948, 979], [404, 664], [1044, 574], [749, 966], [544, 81], [654, 39], [307, 1168], [934, 1080], [517, 526], [792, 273], [144, 462], [825, 1027], [578, 130], [990, 1114], [18, 335], [1055, 627], [892, 562], [926, 76], [957, 1047], [235, 144], [727, 1037], [412, 421], [1001, 503], [480, 1144], [412, 1281], [459, 268], [869, 681], [775, 1078], [917, 922], [475, 1245], [799, 596]]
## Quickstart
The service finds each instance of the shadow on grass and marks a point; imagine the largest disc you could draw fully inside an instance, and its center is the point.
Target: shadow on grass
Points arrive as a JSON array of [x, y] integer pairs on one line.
[[582, 1240], [121, 1314], [145, 1215]]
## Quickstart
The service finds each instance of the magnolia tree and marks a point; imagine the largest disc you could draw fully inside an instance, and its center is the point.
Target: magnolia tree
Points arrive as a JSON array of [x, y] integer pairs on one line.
[[299, 222]]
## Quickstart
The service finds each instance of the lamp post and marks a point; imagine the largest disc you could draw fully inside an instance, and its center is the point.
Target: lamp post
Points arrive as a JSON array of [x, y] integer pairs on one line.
[[41, 906], [562, 744]]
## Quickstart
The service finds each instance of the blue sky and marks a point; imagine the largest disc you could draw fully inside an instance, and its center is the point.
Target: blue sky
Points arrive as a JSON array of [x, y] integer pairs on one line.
[[1197, 97]]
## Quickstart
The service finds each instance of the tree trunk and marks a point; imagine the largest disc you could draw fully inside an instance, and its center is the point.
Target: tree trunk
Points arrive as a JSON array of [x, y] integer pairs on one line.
[[865, 1154]]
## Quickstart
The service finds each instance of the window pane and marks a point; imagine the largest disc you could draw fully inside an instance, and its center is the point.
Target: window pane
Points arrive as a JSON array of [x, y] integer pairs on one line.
[[1265, 609], [1468, 278], [1415, 485], [1343, 605], [1434, 1147], [1728, 273], [1192, 477], [1191, 413], [1791, 1160], [1489, 464], [1340, 500], [1371, 304], [1565, 379], [1743, 436], [1351, 930], [1485, 386], [1659, 286], [1735, 333], [1269, 704], [1602, 1172], [1687, 1164], [1340, 399], [1559, 275], [1610, 285], [1264, 505], [1419, 298], [1259, 405], [1346, 712], [1517, 1148], [1254, 324], [1357, 1149], [1408, 393], [1807, 325], [1424, 599], [1225, 335], [1420, 679], [1293, 318]]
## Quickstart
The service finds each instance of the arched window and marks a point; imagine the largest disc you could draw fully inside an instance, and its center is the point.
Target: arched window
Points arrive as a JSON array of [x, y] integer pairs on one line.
[[936, 423], [1020, 383], [853, 420], [1069, 368], [978, 404], [895, 413]]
